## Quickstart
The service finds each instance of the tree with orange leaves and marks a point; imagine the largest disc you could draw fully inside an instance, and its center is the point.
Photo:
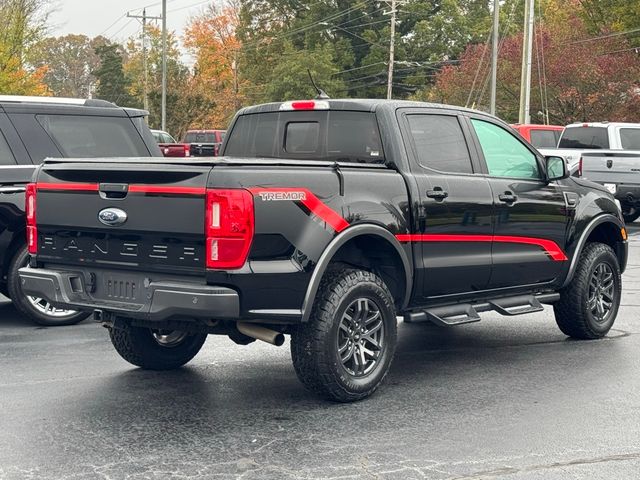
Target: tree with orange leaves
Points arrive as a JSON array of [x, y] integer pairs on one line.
[[211, 38]]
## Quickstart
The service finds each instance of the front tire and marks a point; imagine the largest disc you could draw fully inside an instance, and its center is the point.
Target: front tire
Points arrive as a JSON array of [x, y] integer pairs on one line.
[[345, 349], [589, 304], [38, 310], [155, 349]]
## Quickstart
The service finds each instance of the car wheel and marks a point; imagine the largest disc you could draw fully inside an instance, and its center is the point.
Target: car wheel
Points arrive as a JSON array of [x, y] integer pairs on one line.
[[629, 213], [345, 349], [155, 349], [589, 304], [39, 310]]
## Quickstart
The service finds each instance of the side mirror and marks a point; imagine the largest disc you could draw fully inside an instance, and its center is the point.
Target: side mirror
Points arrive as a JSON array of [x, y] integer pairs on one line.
[[556, 168]]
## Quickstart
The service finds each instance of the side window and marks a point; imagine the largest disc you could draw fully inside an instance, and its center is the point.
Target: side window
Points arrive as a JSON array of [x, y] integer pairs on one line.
[[504, 154], [440, 143], [6, 155], [630, 138]]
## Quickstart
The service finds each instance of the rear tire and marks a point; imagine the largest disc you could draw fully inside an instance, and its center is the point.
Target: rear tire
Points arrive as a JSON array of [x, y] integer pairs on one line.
[[155, 349], [39, 311], [589, 304], [346, 348]]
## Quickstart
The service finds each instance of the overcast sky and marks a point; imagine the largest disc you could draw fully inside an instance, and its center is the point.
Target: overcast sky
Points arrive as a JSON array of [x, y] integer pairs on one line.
[[108, 18]]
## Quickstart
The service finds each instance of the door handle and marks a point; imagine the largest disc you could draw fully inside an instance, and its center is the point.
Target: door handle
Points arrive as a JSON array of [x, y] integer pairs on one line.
[[507, 197], [437, 193], [7, 190]]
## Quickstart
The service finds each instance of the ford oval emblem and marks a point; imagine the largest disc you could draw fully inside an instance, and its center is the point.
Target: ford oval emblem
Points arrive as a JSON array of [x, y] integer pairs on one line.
[[112, 216]]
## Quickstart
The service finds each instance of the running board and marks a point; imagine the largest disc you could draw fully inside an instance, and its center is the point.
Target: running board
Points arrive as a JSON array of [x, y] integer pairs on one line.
[[461, 313]]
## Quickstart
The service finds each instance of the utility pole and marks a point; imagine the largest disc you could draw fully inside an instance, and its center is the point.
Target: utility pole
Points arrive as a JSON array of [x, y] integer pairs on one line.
[[494, 55], [527, 47], [144, 19], [234, 67], [392, 46], [164, 65]]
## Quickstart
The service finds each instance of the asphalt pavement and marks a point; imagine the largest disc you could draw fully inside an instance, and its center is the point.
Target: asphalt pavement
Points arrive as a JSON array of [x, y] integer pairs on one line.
[[506, 398]]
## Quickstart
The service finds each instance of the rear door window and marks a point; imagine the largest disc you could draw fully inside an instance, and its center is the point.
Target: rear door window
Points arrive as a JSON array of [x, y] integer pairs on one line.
[[585, 137], [93, 136], [439, 142], [630, 138], [6, 155]]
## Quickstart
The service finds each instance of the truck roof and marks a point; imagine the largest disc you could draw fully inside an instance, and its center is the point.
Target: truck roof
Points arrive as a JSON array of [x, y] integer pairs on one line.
[[356, 104], [603, 124]]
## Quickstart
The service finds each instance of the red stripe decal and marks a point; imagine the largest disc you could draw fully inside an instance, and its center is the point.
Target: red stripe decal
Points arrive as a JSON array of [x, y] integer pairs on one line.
[[551, 247], [309, 200], [167, 190], [94, 187], [76, 187]]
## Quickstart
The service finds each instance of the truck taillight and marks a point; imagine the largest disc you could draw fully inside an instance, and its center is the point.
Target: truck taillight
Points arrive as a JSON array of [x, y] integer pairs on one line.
[[228, 228], [30, 211], [187, 150], [579, 172]]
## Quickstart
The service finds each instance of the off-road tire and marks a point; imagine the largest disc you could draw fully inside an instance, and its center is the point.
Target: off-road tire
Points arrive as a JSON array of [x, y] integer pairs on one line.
[[138, 346], [314, 345], [26, 308], [572, 314]]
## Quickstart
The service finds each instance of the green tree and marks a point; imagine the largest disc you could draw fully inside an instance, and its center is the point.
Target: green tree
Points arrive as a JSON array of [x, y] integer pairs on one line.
[[113, 84]]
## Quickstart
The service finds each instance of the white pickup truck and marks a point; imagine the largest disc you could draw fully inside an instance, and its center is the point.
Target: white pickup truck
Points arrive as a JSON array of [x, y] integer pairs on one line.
[[579, 138]]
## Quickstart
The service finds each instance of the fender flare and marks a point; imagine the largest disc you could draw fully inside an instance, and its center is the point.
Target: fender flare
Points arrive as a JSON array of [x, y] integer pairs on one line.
[[331, 249], [591, 226]]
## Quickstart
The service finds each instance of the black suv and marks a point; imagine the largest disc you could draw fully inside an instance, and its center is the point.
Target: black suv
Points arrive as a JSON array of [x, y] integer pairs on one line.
[[32, 129]]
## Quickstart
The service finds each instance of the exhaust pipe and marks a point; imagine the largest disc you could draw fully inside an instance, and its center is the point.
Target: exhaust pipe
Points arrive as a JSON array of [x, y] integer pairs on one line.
[[261, 333]]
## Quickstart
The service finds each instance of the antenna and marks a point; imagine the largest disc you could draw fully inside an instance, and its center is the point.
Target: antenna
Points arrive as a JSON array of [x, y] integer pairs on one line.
[[322, 95]]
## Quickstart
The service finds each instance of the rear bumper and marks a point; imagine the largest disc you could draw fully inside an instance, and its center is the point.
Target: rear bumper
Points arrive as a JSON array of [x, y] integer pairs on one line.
[[157, 301]]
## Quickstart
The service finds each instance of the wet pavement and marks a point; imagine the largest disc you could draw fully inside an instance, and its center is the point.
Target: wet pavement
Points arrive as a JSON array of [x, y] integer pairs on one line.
[[506, 398]]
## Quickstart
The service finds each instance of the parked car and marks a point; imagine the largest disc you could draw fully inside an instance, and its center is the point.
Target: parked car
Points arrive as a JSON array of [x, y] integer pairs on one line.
[[326, 219], [168, 145], [33, 128], [579, 138], [205, 143], [618, 173], [540, 136]]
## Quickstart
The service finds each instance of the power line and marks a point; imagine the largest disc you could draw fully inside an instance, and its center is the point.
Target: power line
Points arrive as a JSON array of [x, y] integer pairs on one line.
[[600, 37], [111, 37]]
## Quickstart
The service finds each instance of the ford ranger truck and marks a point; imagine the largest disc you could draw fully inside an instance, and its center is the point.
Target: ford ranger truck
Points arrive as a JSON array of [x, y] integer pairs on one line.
[[325, 220]]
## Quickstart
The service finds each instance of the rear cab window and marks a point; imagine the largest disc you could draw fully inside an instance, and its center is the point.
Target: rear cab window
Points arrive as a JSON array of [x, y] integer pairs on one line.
[[196, 137], [94, 136], [630, 138], [544, 138], [329, 135], [585, 137]]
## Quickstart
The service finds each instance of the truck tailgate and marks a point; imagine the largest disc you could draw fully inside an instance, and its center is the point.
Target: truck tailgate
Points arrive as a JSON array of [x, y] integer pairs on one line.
[[128, 215], [611, 167]]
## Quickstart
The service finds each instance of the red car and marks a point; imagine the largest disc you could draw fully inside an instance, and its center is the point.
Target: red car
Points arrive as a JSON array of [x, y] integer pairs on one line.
[[168, 145], [540, 136], [205, 143]]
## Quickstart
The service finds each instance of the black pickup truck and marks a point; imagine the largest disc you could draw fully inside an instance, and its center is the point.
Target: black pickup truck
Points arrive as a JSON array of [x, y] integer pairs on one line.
[[325, 220]]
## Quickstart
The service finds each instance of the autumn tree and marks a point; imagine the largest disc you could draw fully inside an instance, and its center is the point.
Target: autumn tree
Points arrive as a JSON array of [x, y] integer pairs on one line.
[[576, 80], [69, 63], [22, 25], [211, 38]]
